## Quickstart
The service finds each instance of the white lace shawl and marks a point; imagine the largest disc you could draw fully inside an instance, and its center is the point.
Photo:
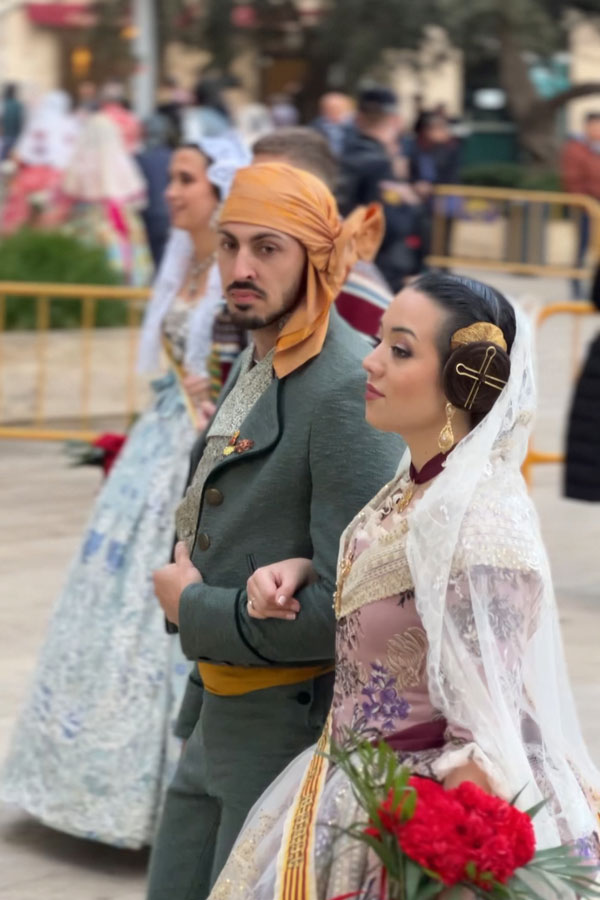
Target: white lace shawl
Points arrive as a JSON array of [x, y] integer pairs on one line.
[[484, 593]]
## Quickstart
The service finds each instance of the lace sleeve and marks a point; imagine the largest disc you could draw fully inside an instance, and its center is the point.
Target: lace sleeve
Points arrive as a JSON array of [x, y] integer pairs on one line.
[[513, 606]]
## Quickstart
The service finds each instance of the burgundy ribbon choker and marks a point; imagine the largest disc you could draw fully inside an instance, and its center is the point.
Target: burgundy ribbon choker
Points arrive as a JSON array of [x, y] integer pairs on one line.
[[429, 470]]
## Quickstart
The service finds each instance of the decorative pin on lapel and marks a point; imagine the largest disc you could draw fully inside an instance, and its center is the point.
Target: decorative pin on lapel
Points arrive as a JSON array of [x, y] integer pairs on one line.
[[237, 446], [230, 448]]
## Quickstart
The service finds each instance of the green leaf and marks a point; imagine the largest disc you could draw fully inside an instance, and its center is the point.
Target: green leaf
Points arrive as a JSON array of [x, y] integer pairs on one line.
[[486, 876], [409, 805], [517, 795], [455, 893], [429, 889], [528, 890], [412, 879], [471, 870], [534, 810], [553, 852]]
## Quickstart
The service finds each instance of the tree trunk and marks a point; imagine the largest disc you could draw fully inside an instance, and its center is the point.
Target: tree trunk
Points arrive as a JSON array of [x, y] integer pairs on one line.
[[534, 117]]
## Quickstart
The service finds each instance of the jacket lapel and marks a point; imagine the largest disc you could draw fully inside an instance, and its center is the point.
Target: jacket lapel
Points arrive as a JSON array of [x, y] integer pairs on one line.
[[260, 429]]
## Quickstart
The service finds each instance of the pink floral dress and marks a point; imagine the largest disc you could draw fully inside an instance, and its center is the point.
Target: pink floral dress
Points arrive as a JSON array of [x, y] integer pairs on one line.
[[381, 662]]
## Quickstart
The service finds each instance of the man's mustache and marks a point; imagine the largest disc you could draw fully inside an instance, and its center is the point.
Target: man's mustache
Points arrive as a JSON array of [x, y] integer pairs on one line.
[[246, 286]]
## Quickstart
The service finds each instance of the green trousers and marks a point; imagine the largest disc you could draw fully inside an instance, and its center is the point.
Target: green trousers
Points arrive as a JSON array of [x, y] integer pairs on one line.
[[238, 747]]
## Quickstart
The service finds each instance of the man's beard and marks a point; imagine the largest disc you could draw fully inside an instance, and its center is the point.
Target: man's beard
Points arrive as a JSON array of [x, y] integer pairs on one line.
[[252, 322]]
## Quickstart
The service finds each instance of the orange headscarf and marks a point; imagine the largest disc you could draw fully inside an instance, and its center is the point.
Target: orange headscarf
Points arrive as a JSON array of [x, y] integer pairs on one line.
[[278, 196]]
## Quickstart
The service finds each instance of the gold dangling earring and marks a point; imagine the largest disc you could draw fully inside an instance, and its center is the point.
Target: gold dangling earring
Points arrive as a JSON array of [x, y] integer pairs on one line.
[[446, 438]]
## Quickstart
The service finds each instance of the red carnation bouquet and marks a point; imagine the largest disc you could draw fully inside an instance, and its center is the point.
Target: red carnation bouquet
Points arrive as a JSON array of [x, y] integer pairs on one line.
[[460, 843]]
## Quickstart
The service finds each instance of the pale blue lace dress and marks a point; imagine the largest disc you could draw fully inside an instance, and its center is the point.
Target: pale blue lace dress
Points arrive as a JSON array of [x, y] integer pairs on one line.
[[93, 750]]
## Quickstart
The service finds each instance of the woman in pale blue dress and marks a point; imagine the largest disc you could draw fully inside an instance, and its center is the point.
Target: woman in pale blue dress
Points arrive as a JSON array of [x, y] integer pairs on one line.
[[93, 748]]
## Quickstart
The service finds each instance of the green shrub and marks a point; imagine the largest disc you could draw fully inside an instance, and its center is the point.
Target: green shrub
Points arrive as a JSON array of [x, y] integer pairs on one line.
[[53, 257], [511, 175]]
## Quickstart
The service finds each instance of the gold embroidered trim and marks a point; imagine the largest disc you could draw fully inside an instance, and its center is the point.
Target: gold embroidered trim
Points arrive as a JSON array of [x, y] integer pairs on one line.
[[380, 571], [297, 874]]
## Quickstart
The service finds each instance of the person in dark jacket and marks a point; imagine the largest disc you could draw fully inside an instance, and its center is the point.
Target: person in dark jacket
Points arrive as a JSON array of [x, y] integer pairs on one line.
[[435, 159], [373, 168], [580, 174], [12, 119], [335, 120], [154, 162], [582, 470]]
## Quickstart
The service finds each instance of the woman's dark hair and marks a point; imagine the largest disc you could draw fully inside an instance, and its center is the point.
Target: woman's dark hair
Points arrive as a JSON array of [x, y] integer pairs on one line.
[[208, 159], [466, 302], [208, 93]]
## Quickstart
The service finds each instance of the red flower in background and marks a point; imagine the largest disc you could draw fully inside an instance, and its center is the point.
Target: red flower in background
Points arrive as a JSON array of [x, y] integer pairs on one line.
[[111, 444]]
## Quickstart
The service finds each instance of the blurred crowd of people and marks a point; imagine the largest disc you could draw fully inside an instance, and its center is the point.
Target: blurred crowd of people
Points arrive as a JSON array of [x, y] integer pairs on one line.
[[93, 168]]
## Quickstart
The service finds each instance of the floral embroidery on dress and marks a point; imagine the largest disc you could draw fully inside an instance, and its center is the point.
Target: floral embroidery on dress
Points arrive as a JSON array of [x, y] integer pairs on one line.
[[505, 617], [349, 673], [407, 657], [383, 704]]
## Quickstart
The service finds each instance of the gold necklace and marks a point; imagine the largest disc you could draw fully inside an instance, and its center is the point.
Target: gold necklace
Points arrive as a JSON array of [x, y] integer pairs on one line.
[[407, 495], [197, 269]]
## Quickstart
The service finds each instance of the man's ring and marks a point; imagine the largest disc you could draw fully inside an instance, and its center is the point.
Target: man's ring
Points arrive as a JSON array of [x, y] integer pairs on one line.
[[250, 603]]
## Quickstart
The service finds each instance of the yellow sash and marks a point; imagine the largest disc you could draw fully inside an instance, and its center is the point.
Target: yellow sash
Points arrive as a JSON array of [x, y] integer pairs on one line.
[[231, 681]]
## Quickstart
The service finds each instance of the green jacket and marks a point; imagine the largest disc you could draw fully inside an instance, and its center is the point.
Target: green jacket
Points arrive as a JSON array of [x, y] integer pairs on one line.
[[314, 464]]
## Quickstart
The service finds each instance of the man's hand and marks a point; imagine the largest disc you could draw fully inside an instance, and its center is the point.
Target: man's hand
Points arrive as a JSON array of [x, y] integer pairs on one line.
[[271, 589], [171, 580], [205, 412]]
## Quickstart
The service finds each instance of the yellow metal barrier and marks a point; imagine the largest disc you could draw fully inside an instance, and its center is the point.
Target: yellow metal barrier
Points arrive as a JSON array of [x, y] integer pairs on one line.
[[535, 456], [37, 426], [525, 218]]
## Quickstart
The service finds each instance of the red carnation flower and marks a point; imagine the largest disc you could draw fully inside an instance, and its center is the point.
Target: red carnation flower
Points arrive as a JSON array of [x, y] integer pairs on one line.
[[111, 444], [458, 830]]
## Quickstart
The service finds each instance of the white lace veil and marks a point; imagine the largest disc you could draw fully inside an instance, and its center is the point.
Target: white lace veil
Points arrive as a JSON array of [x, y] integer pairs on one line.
[[484, 593], [228, 153]]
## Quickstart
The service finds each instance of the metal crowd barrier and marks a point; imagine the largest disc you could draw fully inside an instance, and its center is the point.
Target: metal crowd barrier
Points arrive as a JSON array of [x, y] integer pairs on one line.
[[37, 425], [540, 457], [524, 219]]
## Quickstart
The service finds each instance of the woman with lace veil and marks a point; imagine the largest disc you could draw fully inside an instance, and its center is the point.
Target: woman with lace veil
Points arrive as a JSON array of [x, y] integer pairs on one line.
[[92, 750], [448, 643]]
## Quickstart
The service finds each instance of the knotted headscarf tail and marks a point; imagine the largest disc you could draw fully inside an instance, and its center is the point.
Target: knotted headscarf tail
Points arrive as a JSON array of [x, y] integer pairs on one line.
[[282, 198]]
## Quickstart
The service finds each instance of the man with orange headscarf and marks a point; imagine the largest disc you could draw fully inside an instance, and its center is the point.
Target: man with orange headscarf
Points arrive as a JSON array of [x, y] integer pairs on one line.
[[285, 463]]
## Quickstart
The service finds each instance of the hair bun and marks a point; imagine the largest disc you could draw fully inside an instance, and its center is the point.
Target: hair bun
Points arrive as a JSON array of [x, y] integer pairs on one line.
[[475, 375]]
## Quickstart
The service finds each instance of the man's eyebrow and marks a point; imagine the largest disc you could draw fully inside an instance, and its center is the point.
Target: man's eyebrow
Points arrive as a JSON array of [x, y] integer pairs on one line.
[[405, 331], [267, 234], [271, 235]]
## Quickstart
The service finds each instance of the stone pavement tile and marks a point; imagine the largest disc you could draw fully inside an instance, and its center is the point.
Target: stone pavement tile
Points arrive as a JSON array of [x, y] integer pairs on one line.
[[41, 864]]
